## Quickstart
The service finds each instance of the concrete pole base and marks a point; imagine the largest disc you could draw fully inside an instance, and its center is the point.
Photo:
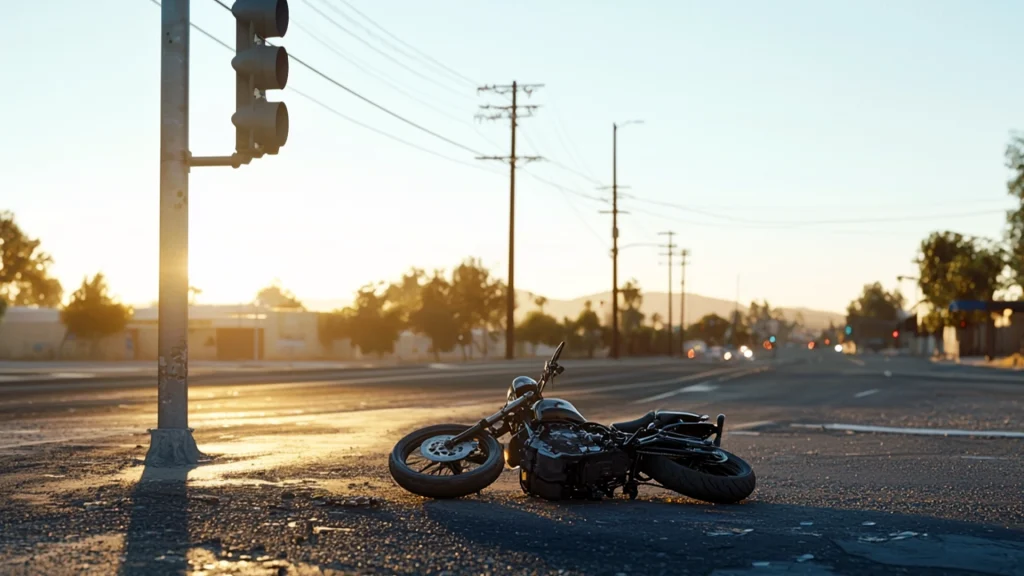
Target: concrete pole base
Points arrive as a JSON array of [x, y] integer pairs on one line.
[[172, 447]]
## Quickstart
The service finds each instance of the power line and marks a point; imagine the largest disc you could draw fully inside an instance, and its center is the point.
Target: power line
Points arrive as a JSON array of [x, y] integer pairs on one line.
[[779, 223], [316, 71], [560, 165], [582, 220], [565, 188], [383, 53], [409, 46], [559, 132], [391, 136], [378, 75]]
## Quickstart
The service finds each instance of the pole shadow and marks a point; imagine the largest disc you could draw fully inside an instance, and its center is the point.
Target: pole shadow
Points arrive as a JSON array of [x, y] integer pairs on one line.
[[157, 538]]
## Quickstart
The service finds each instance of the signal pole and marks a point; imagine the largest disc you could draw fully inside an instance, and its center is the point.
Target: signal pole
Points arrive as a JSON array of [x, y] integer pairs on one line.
[[513, 114], [669, 247], [682, 300], [261, 128], [171, 442]]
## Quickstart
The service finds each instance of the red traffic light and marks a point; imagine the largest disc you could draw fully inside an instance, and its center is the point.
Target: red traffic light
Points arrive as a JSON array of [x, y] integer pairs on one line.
[[895, 333]]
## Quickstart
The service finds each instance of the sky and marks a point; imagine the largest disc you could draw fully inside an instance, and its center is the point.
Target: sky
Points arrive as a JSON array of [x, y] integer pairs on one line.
[[798, 149]]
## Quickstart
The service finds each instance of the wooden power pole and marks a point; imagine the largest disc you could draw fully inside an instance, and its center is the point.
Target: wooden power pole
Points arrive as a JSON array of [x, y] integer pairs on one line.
[[490, 112]]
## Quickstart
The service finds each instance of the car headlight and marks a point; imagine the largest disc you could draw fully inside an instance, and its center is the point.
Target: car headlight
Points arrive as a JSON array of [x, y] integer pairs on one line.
[[727, 355]]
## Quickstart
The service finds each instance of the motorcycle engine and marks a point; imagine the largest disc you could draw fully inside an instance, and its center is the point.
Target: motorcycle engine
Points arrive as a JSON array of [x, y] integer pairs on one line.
[[565, 461]]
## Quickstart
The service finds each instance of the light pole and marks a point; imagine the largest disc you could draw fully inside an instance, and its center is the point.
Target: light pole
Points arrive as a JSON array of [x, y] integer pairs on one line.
[[615, 234]]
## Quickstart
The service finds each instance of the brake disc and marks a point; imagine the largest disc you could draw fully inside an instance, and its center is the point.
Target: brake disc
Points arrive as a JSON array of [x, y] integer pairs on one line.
[[433, 449]]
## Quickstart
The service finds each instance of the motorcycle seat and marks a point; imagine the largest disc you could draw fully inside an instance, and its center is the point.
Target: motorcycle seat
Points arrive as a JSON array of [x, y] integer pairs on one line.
[[631, 426], [663, 417]]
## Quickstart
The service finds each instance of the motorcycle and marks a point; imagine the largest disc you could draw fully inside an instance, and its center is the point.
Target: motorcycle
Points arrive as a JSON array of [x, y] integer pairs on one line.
[[561, 455]]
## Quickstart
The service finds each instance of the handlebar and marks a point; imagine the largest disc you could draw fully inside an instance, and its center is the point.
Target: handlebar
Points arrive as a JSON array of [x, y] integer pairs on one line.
[[551, 367]]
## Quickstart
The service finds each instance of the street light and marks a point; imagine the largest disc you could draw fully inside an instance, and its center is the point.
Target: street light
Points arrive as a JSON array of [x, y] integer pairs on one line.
[[615, 233]]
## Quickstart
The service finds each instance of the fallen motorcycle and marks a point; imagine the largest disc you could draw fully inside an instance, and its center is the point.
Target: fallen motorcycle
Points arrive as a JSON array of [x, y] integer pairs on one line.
[[561, 455]]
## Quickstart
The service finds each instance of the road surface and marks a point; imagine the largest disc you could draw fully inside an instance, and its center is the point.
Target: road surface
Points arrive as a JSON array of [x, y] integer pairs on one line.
[[866, 465]]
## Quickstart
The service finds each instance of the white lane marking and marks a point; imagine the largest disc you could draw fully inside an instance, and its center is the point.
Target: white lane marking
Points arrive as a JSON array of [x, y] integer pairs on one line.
[[915, 431], [856, 361], [983, 458], [742, 433], [701, 387], [887, 374], [865, 393], [749, 425]]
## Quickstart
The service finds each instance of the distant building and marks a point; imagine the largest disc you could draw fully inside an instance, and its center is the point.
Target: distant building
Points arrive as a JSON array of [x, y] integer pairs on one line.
[[219, 332]]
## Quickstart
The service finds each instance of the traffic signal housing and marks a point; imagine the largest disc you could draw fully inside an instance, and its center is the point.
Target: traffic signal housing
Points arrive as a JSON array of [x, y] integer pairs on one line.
[[261, 126]]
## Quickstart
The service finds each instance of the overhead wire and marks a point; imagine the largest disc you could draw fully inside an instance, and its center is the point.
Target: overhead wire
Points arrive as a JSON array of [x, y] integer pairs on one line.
[[378, 75], [556, 163], [383, 53], [424, 57], [781, 223]]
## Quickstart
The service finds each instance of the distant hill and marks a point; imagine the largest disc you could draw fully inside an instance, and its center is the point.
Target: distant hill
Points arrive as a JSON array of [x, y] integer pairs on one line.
[[696, 307], [657, 302]]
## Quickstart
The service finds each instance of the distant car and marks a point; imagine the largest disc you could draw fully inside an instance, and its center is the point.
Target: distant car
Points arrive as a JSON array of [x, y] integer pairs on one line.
[[732, 354]]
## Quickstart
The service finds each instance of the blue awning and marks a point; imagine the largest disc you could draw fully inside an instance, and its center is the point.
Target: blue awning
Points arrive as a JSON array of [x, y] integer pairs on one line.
[[981, 306]]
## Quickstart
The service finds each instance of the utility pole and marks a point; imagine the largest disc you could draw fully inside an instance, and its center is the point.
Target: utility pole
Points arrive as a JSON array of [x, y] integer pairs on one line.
[[489, 112], [682, 301], [615, 233], [669, 247], [261, 128]]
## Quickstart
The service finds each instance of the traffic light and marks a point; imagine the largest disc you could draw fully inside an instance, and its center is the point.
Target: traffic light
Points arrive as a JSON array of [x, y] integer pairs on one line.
[[771, 339], [261, 127], [849, 329], [895, 333]]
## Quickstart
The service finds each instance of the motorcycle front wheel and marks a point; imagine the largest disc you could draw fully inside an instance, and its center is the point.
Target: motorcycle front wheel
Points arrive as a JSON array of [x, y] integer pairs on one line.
[[726, 479], [422, 465]]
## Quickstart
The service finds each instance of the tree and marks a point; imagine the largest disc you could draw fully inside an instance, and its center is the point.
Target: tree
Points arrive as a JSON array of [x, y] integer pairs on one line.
[[873, 314], [541, 328], [404, 295], [540, 301], [631, 319], [477, 297], [876, 302], [24, 269], [92, 313], [436, 317], [957, 267], [587, 327], [370, 323], [710, 329], [275, 296], [1015, 217]]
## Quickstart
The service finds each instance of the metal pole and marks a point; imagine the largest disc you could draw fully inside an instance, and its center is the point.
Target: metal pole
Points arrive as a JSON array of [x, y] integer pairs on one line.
[[615, 243], [171, 442], [256, 332], [682, 303], [510, 321], [670, 297]]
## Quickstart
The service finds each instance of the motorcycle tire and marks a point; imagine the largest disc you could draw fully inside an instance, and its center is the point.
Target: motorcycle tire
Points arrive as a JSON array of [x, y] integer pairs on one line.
[[724, 485], [442, 487]]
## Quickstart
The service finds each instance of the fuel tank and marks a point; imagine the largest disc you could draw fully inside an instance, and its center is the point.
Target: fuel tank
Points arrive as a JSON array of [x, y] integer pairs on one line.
[[555, 410]]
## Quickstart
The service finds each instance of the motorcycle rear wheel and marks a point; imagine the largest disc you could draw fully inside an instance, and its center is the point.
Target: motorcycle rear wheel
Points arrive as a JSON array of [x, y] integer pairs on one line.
[[724, 482], [488, 455]]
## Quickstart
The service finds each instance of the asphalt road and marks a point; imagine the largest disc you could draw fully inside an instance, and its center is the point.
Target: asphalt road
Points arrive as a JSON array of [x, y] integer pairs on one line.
[[867, 465]]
